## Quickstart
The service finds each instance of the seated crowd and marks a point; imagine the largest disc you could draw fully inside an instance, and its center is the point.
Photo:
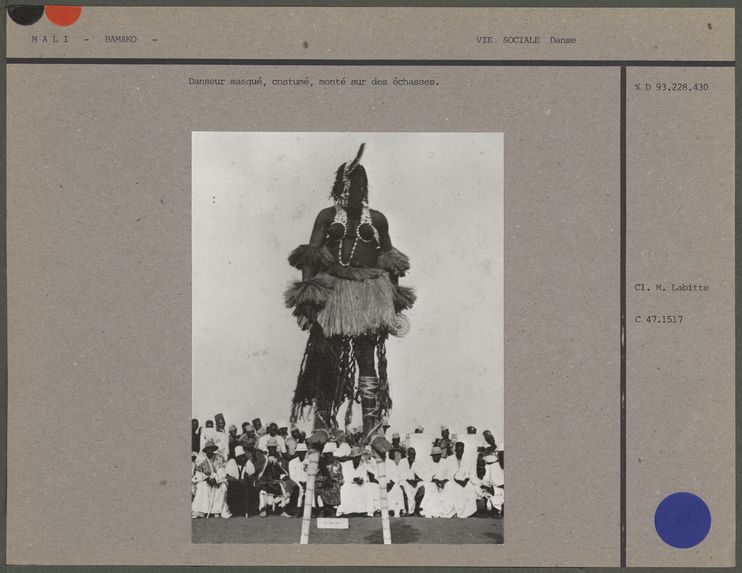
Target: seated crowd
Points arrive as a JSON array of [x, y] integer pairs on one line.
[[263, 471]]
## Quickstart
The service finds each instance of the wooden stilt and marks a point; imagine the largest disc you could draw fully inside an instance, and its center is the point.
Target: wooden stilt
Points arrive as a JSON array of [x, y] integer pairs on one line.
[[383, 502], [312, 466]]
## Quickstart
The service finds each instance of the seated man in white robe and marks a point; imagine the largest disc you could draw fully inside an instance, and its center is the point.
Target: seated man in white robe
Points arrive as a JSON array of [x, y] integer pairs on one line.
[[298, 475], [438, 500], [411, 478], [357, 494], [394, 495], [461, 488], [491, 487], [210, 479], [239, 471]]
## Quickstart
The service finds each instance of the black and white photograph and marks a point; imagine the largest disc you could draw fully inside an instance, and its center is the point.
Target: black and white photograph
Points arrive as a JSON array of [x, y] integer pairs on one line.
[[347, 338]]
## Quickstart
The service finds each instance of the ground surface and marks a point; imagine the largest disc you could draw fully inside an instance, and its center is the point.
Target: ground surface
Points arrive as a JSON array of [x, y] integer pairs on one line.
[[362, 530]]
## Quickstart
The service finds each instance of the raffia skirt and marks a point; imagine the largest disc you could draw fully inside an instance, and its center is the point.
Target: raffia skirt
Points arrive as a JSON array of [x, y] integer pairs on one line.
[[349, 303], [361, 302]]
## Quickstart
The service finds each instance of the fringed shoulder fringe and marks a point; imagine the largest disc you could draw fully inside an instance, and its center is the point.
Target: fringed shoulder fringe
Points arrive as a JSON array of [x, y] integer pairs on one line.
[[404, 298], [318, 258], [314, 291], [394, 261], [308, 298]]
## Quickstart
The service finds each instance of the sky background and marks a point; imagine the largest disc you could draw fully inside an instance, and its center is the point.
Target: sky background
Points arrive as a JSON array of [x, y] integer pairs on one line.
[[255, 197]]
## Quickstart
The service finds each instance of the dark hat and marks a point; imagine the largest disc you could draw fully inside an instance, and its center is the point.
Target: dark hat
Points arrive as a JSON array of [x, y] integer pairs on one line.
[[471, 430], [210, 445]]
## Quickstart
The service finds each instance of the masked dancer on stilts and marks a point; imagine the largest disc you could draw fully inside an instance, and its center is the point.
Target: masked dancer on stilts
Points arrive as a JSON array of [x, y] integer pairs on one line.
[[350, 301]]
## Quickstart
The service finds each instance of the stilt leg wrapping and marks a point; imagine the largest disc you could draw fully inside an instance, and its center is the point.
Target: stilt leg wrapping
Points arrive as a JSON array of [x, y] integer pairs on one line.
[[368, 389]]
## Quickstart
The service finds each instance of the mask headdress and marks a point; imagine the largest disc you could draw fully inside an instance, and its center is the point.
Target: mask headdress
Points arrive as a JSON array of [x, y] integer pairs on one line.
[[341, 188], [365, 231], [356, 162]]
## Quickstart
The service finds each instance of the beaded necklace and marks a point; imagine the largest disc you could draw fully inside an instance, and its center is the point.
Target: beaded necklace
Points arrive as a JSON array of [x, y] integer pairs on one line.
[[341, 217]]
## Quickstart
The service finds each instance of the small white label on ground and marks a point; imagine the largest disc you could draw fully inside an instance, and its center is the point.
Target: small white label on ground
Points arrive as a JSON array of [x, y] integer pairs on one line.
[[332, 523]]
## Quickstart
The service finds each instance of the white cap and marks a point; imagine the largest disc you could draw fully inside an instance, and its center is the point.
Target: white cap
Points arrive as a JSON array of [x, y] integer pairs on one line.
[[330, 448], [301, 447], [343, 450], [239, 451]]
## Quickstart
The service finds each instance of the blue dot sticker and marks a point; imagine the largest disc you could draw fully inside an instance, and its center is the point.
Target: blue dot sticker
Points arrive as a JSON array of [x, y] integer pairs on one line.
[[682, 520]]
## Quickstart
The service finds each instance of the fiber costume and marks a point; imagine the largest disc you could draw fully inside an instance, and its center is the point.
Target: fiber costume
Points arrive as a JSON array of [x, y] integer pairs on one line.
[[350, 302]]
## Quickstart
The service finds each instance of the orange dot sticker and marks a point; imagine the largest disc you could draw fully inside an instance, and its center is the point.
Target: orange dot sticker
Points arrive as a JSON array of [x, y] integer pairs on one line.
[[63, 15]]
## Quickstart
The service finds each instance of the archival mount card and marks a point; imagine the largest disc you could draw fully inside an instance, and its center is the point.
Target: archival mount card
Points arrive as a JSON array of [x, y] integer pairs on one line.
[[365, 249]]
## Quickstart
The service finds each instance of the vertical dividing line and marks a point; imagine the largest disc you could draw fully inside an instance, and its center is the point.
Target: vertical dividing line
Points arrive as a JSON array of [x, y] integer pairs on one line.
[[623, 315]]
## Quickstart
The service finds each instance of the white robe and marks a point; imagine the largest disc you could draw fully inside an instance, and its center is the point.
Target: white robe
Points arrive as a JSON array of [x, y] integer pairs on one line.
[[233, 470], [438, 502], [298, 474], [409, 472], [355, 498], [464, 498], [394, 497], [494, 478], [210, 500], [220, 438]]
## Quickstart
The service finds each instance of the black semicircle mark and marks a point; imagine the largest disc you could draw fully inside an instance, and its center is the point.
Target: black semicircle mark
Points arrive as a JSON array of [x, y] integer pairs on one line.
[[25, 15]]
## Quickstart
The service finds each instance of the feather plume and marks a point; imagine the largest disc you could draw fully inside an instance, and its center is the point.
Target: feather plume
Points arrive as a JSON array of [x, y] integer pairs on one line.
[[354, 163]]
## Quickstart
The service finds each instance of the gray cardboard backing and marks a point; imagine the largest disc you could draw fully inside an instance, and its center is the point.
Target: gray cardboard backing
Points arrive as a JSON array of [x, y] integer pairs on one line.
[[98, 209]]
